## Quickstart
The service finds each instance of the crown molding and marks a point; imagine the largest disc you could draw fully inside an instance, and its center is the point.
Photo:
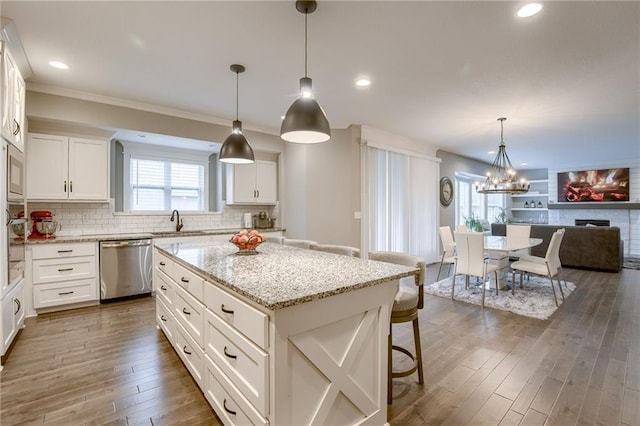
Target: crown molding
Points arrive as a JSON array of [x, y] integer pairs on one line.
[[128, 103]]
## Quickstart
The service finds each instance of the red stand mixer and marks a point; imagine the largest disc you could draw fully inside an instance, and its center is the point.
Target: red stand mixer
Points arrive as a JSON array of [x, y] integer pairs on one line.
[[44, 227]]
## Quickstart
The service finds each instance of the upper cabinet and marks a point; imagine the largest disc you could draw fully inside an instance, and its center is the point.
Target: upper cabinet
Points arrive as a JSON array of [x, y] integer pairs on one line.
[[13, 98], [255, 183], [67, 168]]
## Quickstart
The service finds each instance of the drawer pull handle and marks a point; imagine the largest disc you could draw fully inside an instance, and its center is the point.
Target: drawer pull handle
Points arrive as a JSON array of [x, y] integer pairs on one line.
[[65, 269], [163, 318], [65, 251], [184, 349], [228, 354], [184, 311], [17, 307], [163, 288], [224, 404], [226, 311], [162, 263], [65, 293], [184, 280]]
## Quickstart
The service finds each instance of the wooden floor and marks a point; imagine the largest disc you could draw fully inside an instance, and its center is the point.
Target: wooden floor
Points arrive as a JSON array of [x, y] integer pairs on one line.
[[110, 365]]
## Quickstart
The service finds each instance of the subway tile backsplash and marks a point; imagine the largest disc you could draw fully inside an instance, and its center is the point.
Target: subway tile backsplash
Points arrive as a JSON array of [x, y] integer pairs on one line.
[[100, 218]]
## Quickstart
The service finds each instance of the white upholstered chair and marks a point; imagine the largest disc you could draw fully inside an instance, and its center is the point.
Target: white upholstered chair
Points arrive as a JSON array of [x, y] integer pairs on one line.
[[298, 243], [337, 249], [408, 300], [517, 233], [470, 260], [462, 228], [548, 266], [448, 249]]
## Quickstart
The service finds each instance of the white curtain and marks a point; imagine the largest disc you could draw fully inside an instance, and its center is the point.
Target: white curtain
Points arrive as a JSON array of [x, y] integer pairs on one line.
[[403, 203]]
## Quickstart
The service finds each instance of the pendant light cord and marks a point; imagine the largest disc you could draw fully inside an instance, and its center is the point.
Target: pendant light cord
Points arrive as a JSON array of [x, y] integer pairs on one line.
[[305, 41], [237, 95]]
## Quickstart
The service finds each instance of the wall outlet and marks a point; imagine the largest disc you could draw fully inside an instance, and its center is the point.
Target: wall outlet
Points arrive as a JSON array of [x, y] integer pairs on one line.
[[357, 215]]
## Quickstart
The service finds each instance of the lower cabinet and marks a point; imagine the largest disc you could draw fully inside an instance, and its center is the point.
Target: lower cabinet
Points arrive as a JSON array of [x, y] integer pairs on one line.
[[64, 274], [13, 314], [206, 326]]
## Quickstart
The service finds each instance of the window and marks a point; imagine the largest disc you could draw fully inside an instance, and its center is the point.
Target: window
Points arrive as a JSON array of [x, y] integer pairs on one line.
[[469, 202], [159, 179]]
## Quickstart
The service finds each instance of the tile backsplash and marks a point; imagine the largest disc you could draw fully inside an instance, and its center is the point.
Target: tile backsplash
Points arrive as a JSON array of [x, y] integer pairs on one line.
[[101, 218]]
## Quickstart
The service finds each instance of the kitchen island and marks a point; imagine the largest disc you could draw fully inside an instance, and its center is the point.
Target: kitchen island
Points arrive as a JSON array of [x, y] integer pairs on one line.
[[285, 337]]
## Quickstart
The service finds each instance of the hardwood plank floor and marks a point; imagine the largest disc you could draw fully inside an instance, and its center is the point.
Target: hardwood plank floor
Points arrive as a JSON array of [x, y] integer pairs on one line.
[[109, 365]]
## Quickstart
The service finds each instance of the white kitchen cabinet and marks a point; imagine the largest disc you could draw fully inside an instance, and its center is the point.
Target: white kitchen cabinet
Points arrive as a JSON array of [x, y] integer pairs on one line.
[[13, 100], [531, 207], [255, 183], [13, 314], [67, 168], [63, 274]]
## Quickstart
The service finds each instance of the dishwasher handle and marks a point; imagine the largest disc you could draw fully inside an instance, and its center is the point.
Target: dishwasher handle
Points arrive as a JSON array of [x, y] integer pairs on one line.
[[126, 243]]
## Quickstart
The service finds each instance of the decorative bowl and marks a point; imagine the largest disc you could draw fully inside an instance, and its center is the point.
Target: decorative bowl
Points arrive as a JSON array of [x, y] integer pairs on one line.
[[247, 241]]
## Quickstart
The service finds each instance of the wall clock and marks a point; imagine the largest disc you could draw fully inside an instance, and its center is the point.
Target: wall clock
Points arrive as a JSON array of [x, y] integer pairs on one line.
[[446, 191]]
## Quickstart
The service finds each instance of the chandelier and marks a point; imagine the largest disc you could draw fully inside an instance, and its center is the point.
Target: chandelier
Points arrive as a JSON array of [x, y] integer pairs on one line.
[[501, 179]]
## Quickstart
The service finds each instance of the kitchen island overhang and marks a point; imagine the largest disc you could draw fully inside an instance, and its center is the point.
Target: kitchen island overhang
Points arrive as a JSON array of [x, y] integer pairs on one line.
[[319, 332]]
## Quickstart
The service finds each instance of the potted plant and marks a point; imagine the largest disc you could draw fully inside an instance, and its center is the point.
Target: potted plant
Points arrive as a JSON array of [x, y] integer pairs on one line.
[[473, 223], [502, 216]]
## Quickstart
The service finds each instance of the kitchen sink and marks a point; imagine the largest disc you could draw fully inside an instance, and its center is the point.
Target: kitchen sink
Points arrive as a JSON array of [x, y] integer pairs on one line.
[[177, 233]]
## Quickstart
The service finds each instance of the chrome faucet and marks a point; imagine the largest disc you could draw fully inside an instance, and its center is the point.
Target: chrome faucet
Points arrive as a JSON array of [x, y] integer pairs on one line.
[[176, 214]]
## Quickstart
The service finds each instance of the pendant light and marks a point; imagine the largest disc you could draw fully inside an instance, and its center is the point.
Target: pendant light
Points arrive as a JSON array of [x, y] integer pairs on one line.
[[502, 177], [305, 121], [236, 148]]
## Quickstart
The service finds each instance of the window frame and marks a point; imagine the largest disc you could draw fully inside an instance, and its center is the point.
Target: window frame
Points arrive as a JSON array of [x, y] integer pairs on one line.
[[168, 156], [484, 206]]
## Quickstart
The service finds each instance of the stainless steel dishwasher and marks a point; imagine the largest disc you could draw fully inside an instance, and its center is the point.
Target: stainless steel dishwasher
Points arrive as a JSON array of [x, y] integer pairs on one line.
[[125, 269]]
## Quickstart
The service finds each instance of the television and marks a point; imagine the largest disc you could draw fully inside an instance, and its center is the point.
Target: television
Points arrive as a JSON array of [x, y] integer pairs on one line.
[[594, 185]]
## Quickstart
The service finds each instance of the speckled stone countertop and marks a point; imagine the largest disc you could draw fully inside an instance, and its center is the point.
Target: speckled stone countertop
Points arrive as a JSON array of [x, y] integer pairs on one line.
[[139, 236], [281, 276]]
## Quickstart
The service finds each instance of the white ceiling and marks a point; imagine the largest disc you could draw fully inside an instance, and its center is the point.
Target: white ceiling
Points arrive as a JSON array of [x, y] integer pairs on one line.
[[567, 79]]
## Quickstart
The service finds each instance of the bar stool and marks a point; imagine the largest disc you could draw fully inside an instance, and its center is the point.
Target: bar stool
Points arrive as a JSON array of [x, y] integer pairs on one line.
[[298, 243], [337, 249], [408, 300]]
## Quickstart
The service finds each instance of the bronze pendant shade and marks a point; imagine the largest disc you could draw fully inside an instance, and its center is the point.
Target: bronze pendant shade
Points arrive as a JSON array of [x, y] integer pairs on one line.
[[305, 121], [236, 148]]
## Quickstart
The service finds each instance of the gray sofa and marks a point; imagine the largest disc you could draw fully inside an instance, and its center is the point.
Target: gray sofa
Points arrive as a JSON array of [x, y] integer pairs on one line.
[[586, 247]]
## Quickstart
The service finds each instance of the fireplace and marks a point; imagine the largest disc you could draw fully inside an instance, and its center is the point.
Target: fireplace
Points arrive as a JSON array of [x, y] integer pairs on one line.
[[593, 222]]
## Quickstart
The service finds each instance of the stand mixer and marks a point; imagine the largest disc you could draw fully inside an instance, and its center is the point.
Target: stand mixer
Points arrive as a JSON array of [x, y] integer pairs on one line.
[[44, 227]]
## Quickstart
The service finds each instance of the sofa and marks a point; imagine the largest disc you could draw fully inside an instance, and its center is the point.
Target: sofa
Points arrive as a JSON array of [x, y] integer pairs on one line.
[[586, 247]]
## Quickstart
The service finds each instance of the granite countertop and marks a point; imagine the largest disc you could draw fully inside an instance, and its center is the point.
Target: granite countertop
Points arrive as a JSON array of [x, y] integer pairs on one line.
[[139, 236], [281, 276]]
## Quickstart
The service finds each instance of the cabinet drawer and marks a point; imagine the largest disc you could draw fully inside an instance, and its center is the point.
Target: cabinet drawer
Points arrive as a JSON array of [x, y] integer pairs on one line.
[[244, 318], [56, 251], [165, 320], [165, 289], [190, 314], [227, 402], [55, 270], [56, 294], [162, 263], [188, 281], [243, 362], [190, 353]]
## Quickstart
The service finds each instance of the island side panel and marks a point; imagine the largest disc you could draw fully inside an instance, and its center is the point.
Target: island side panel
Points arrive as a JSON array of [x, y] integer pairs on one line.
[[329, 362]]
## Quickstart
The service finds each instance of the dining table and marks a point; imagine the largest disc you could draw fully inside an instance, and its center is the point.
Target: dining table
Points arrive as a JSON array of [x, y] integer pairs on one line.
[[499, 247]]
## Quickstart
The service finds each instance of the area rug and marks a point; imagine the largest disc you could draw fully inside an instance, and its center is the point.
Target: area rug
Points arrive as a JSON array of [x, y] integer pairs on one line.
[[534, 300], [631, 263]]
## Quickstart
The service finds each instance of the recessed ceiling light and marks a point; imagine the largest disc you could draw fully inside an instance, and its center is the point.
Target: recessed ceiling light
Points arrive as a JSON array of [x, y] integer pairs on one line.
[[59, 65], [491, 152], [363, 82], [282, 117], [529, 9], [523, 164]]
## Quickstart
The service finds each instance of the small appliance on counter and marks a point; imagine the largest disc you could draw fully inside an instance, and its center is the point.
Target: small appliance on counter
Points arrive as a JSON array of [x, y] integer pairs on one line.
[[44, 227], [263, 221]]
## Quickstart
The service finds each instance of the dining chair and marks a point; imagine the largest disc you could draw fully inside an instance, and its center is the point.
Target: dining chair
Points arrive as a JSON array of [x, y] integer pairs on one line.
[[519, 232], [556, 259], [548, 268], [408, 300], [306, 244], [471, 261], [462, 228], [448, 249], [337, 249]]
